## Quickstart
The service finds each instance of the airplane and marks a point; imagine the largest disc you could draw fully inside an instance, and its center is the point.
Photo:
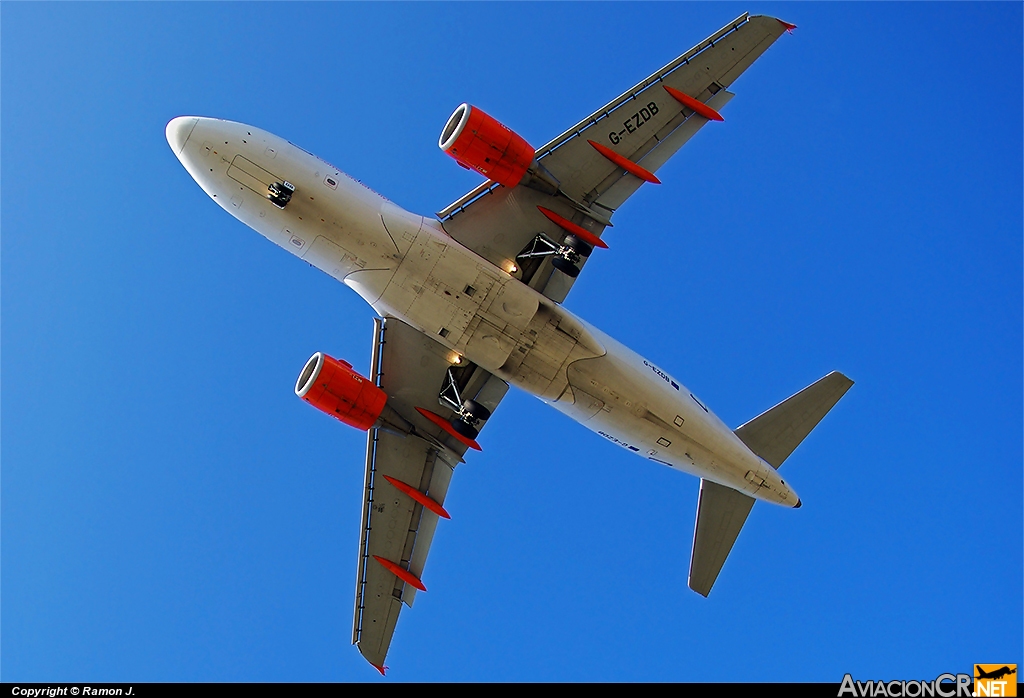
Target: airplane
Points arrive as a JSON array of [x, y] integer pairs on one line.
[[995, 673], [470, 302]]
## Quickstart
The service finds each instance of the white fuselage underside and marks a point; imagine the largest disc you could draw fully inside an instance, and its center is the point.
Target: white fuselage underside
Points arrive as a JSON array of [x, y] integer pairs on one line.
[[405, 266]]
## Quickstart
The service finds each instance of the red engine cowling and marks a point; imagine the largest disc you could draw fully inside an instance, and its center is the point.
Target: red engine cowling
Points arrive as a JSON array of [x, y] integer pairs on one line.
[[333, 387], [481, 143]]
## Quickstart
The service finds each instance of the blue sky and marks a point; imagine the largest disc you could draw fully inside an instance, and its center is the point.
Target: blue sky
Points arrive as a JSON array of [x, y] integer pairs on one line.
[[170, 510]]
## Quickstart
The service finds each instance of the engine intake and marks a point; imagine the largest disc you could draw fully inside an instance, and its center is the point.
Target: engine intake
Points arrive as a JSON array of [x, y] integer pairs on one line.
[[333, 387], [482, 143]]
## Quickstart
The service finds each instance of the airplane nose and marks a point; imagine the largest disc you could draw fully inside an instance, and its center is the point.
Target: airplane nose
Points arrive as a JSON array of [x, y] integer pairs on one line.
[[178, 130]]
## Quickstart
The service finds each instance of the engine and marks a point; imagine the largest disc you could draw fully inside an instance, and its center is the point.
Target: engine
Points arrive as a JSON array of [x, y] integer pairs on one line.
[[479, 142], [333, 387]]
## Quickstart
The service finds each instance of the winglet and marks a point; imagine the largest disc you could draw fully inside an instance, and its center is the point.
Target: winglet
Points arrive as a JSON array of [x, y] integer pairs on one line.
[[381, 668], [789, 27]]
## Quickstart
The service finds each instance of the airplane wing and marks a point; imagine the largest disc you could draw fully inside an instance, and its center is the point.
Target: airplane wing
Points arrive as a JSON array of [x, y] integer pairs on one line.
[[645, 125], [397, 529]]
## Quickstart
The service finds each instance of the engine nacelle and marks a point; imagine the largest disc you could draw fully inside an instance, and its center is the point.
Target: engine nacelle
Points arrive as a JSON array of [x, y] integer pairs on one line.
[[333, 387], [480, 142]]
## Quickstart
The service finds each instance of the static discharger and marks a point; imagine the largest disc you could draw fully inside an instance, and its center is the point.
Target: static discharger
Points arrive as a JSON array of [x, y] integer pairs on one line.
[[418, 496], [403, 574], [570, 227], [693, 104], [625, 163], [444, 424]]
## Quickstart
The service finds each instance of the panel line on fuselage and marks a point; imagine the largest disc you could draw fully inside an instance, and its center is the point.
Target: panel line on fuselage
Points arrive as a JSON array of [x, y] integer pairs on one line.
[[503, 326]]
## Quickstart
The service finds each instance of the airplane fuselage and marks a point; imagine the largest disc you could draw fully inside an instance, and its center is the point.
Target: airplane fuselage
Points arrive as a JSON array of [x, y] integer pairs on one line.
[[407, 267]]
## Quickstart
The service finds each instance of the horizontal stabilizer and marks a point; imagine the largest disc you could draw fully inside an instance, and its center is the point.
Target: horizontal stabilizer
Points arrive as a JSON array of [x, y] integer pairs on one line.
[[721, 513], [774, 434]]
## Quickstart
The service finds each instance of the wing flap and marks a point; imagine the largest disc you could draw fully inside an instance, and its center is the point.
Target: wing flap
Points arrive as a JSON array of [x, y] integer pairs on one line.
[[437, 476]]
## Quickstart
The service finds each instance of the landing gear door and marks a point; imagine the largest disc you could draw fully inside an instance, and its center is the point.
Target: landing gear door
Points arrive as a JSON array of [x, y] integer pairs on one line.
[[265, 184]]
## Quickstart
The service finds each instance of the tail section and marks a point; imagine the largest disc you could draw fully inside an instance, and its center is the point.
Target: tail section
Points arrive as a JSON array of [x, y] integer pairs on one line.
[[773, 435], [721, 513]]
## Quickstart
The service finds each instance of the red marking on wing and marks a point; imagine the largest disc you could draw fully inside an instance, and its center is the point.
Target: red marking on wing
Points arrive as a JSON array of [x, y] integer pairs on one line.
[[418, 496], [580, 232], [446, 425], [400, 572], [694, 104], [625, 163]]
